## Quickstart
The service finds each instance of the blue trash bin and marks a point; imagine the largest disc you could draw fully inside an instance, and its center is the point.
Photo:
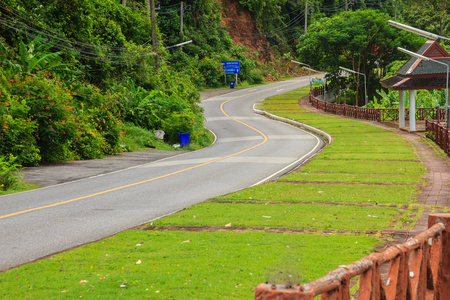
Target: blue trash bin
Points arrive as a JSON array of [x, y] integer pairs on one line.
[[185, 139], [232, 84]]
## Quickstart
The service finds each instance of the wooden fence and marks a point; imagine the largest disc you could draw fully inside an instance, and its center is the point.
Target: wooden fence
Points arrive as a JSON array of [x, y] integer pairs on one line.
[[439, 133], [372, 114], [418, 269]]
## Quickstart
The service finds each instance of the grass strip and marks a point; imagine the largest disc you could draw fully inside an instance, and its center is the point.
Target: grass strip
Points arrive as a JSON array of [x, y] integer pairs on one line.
[[334, 193], [374, 167], [353, 177], [182, 265], [295, 216]]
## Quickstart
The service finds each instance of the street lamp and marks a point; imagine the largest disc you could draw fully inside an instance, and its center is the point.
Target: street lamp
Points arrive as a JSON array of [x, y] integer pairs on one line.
[[441, 63], [312, 70], [417, 31], [309, 69], [365, 85], [179, 45]]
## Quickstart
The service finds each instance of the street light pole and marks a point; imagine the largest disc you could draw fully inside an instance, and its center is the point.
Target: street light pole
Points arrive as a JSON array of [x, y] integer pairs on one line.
[[309, 69], [446, 82], [418, 31], [365, 84]]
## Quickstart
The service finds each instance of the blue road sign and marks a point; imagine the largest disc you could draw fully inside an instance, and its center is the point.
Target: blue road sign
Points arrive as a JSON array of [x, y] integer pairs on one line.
[[232, 70], [231, 64]]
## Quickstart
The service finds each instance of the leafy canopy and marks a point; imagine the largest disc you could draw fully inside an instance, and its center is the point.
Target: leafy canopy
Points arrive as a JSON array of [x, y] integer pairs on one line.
[[359, 40]]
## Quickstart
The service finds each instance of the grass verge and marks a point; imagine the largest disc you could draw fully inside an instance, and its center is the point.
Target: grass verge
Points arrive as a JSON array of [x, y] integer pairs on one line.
[[181, 265]]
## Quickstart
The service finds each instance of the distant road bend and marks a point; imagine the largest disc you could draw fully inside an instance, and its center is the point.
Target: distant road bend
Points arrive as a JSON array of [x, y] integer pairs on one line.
[[249, 149]]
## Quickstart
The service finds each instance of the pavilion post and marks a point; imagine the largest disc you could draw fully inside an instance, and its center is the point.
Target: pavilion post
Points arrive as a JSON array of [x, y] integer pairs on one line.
[[401, 109], [412, 110]]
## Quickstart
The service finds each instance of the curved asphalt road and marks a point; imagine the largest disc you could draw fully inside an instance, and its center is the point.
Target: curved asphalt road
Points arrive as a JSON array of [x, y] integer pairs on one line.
[[249, 149]]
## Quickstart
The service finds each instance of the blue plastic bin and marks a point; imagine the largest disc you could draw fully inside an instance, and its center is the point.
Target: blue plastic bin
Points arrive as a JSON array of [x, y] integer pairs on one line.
[[185, 139], [232, 84]]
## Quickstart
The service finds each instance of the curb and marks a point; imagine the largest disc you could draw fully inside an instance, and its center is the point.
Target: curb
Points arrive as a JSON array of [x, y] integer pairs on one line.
[[322, 134]]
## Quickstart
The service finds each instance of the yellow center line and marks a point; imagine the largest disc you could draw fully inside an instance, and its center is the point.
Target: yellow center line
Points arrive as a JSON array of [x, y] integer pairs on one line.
[[167, 175]]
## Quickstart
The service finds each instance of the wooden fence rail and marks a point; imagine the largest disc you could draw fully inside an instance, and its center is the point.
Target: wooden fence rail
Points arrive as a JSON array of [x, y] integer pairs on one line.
[[439, 133], [373, 114], [418, 269]]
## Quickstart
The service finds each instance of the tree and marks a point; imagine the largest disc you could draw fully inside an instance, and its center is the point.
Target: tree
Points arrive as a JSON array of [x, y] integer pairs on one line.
[[429, 15], [359, 40]]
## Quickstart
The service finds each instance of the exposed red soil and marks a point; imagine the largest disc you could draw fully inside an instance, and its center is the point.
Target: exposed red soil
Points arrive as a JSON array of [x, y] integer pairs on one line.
[[243, 31]]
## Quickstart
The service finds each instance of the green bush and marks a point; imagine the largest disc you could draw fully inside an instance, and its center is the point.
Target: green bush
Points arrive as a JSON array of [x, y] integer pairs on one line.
[[254, 77], [50, 107], [16, 129], [9, 178], [211, 71]]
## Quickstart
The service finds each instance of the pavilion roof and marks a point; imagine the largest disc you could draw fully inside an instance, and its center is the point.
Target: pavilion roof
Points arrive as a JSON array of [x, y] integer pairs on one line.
[[417, 74], [398, 83]]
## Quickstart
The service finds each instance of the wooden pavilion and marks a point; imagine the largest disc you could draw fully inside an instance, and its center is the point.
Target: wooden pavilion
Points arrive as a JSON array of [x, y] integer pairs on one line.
[[417, 74]]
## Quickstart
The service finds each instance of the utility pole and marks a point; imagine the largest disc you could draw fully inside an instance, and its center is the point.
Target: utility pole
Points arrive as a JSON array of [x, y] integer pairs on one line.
[[181, 18], [124, 2], [395, 10], [154, 38], [306, 16]]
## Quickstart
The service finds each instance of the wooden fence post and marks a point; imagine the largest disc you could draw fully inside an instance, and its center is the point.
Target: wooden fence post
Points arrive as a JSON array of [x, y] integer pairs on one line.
[[443, 280]]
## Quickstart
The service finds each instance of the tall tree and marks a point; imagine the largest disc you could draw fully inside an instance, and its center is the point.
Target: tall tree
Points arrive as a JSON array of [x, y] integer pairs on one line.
[[430, 15], [359, 40]]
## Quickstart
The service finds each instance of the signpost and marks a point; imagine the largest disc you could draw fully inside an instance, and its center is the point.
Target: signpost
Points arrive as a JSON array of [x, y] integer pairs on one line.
[[231, 67], [232, 71]]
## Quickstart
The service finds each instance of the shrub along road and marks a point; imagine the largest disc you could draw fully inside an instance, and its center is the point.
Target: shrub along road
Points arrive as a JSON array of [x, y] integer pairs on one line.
[[249, 149]]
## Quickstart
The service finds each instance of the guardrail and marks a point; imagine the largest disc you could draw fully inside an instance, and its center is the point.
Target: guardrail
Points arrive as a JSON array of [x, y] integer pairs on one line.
[[418, 269], [439, 133]]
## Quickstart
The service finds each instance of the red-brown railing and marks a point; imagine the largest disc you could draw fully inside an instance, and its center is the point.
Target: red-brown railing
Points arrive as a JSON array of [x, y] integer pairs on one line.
[[434, 130], [373, 114], [439, 133], [418, 269]]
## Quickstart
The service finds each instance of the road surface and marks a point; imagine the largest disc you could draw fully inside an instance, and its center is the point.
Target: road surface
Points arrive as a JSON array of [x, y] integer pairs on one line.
[[249, 149]]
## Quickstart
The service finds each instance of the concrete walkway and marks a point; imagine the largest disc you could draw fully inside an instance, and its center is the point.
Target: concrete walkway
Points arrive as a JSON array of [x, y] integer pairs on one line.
[[436, 195]]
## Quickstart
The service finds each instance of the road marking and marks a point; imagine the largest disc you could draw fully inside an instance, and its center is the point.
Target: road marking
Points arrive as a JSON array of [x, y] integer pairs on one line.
[[239, 139], [234, 159], [236, 117], [170, 174], [167, 163], [291, 137], [260, 159]]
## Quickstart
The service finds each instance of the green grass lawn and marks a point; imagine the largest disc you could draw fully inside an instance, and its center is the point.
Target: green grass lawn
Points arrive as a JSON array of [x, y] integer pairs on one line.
[[332, 193], [182, 265], [289, 216], [367, 180]]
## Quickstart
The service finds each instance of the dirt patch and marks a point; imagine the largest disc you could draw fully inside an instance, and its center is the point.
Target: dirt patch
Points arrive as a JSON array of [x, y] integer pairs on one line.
[[243, 31], [400, 234]]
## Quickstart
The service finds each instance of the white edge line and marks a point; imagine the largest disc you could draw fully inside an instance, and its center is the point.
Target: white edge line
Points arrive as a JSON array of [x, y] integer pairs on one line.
[[294, 163], [306, 128]]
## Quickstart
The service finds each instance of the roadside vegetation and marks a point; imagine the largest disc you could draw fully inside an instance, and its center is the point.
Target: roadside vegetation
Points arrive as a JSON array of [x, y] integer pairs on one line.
[[329, 212]]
